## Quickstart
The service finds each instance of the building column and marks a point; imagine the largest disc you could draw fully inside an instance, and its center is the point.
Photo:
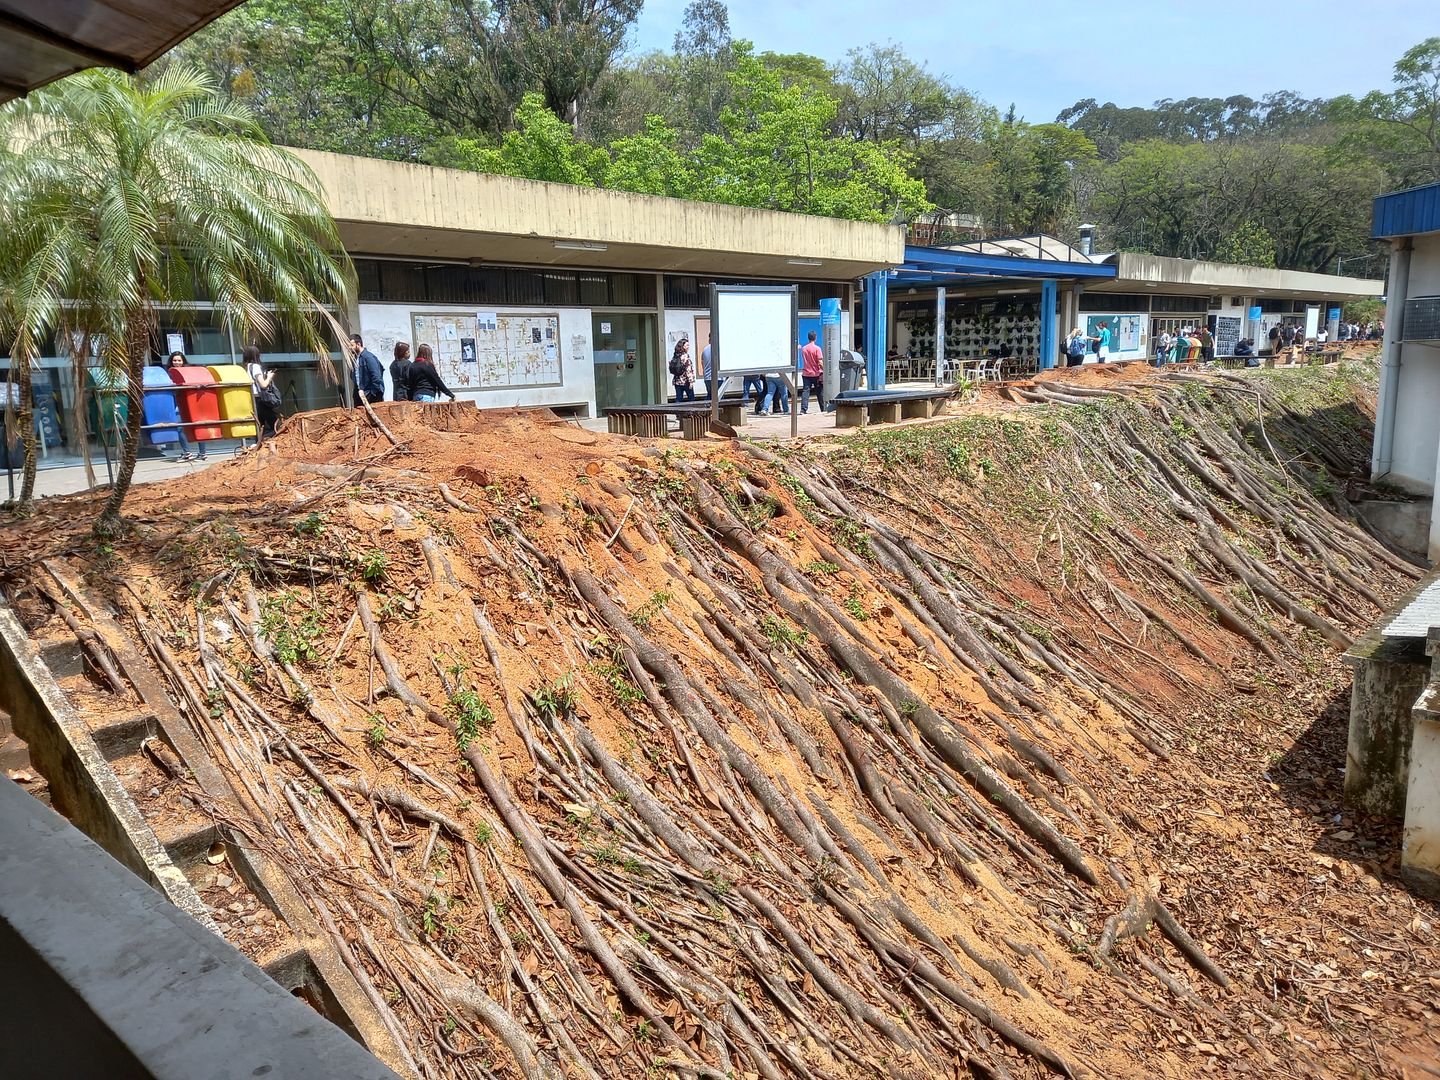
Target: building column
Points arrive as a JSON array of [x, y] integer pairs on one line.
[[939, 334], [1070, 307], [877, 325], [1049, 343], [662, 348], [1397, 291]]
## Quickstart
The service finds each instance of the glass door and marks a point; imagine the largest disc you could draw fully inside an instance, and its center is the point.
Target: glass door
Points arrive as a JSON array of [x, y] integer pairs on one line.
[[626, 369]]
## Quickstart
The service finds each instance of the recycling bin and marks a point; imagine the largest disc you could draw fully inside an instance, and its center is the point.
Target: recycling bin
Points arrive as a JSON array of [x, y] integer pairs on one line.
[[199, 402], [160, 406], [237, 401], [109, 410]]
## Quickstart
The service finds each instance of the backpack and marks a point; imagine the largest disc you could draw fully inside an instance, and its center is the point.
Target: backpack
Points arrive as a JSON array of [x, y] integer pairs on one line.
[[1076, 346]]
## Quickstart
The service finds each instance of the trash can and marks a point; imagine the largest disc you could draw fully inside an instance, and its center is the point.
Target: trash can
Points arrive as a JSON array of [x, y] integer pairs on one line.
[[237, 400], [109, 404], [160, 407], [199, 402], [852, 367]]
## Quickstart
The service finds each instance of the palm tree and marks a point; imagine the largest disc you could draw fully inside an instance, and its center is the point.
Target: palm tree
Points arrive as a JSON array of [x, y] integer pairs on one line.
[[119, 196]]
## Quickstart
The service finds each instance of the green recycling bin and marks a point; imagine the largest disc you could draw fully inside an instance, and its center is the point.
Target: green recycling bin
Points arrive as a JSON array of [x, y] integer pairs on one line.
[[109, 403]]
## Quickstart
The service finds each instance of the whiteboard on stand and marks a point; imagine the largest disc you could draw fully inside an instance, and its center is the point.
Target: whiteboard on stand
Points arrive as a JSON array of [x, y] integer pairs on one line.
[[753, 328]]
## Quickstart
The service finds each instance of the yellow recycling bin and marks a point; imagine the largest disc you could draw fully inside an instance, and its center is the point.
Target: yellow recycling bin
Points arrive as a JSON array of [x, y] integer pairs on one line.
[[237, 401]]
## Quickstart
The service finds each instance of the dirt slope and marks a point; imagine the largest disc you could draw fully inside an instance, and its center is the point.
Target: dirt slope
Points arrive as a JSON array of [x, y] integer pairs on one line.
[[1002, 746]]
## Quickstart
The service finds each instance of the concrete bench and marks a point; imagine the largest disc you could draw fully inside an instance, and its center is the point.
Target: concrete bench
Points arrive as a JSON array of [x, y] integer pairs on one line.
[[652, 421], [859, 408]]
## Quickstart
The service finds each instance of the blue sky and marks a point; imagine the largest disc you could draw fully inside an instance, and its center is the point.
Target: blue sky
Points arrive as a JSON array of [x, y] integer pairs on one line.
[[1044, 54]]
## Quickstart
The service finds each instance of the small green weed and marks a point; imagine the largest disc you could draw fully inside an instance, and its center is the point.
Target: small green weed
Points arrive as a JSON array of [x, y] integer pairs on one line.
[[470, 714]]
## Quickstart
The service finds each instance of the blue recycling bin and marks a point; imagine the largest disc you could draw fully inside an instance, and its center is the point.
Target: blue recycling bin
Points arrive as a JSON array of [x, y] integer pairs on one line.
[[160, 406]]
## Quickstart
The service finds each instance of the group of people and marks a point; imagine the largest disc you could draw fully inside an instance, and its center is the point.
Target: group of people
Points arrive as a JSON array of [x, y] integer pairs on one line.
[[1367, 331], [410, 380], [1078, 344], [267, 400], [770, 392], [1186, 344]]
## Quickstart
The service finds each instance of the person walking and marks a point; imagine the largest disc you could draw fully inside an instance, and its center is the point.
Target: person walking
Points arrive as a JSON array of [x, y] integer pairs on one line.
[[425, 382], [812, 371], [682, 371], [1163, 344], [400, 372], [177, 359], [267, 394], [369, 376], [777, 392]]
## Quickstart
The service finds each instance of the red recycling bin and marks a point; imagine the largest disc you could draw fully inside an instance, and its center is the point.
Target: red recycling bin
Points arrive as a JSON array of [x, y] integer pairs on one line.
[[199, 402]]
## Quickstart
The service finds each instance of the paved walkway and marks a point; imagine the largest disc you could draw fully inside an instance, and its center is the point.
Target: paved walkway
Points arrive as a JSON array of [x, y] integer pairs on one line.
[[68, 479]]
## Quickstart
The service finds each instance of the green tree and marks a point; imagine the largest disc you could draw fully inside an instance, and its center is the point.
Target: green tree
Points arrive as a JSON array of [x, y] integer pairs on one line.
[[130, 195], [1031, 171], [541, 147], [777, 149], [1407, 121], [1248, 245]]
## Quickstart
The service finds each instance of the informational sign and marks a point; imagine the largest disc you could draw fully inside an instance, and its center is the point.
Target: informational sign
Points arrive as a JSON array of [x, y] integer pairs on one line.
[[1255, 313], [1334, 314], [1227, 334], [1312, 323], [1127, 334], [831, 341], [605, 328], [492, 350], [174, 343]]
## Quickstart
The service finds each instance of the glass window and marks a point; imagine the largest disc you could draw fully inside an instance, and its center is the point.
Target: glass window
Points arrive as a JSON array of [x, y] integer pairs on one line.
[[367, 271], [1098, 301]]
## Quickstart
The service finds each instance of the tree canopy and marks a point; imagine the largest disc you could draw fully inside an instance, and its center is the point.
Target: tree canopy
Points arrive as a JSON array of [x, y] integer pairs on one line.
[[1281, 178]]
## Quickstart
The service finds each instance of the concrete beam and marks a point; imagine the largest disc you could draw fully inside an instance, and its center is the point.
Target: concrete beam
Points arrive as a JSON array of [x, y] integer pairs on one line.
[[105, 977]]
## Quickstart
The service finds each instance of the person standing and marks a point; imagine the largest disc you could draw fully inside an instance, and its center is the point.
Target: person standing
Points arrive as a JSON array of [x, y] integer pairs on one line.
[[1102, 343], [177, 359], [812, 371], [400, 372], [425, 382], [1207, 344], [369, 376], [682, 371], [1075, 346], [707, 364], [267, 394]]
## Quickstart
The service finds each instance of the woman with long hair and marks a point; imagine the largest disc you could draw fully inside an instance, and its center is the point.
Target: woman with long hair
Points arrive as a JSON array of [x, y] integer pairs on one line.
[[682, 371], [177, 359], [267, 394], [425, 382]]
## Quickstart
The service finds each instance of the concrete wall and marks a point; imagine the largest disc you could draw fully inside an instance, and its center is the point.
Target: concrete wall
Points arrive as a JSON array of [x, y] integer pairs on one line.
[[381, 325], [102, 976], [1416, 448]]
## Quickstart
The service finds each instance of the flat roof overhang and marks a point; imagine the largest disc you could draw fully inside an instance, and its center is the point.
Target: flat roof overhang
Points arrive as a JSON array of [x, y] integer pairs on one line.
[[45, 40], [1412, 212], [1190, 277], [392, 209]]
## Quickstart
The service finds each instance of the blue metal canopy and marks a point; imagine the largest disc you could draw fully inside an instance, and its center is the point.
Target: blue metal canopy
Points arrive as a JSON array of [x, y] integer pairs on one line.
[[947, 266], [1405, 213]]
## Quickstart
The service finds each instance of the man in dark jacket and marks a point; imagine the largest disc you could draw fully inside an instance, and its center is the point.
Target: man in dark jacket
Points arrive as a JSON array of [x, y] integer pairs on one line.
[[369, 375], [400, 372]]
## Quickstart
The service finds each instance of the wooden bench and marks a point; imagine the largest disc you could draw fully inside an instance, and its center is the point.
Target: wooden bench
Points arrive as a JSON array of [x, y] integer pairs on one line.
[[859, 408], [653, 421]]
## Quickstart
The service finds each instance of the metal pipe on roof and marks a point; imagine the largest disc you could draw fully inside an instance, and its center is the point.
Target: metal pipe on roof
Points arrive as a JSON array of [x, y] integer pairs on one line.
[[1397, 290]]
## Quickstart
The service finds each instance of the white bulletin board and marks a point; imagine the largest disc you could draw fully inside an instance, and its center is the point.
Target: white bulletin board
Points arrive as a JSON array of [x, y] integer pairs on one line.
[[488, 350], [753, 328]]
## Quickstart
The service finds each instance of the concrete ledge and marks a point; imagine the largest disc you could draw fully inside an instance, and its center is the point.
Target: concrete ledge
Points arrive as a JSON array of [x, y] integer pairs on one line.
[[83, 786], [103, 976]]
